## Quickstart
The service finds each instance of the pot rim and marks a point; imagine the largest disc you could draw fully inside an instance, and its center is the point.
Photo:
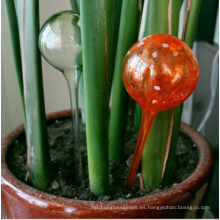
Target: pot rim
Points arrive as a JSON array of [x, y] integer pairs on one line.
[[189, 185]]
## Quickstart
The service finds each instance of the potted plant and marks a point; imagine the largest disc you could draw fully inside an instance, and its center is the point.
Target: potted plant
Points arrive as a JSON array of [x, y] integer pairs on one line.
[[105, 137]]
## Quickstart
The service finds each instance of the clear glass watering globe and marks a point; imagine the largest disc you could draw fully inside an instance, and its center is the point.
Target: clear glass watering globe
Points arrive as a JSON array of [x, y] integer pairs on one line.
[[60, 45]]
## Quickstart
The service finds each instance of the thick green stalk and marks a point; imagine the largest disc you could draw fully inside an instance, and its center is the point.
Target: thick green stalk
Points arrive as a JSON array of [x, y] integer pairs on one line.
[[155, 149], [153, 157], [192, 22], [95, 73], [189, 39], [74, 5], [168, 174], [16, 52], [19, 12], [78, 3], [157, 17], [118, 6], [15, 5], [176, 6], [120, 98], [38, 147], [109, 12], [137, 117]]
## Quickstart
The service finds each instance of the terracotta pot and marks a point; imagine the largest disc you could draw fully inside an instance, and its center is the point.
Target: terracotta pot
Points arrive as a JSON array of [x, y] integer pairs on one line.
[[22, 201]]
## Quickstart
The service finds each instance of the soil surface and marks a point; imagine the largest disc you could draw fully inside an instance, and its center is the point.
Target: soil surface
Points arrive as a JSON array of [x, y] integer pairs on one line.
[[62, 160]]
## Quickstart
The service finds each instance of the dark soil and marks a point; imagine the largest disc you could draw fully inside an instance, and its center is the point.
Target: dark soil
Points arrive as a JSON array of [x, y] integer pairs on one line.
[[62, 160]]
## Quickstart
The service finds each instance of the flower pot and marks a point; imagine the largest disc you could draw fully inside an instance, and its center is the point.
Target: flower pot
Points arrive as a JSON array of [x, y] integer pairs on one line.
[[22, 201]]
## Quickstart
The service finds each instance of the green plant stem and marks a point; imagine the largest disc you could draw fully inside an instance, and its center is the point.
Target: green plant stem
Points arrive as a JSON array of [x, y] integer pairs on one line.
[[120, 98], [137, 117], [176, 7], [16, 52], [157, 17], [154, 151], [189, 39], [153, 157], [192, 22], [95, 73], [78, 3], [109, 12], [19, 15], [118, 6], [168, 174], [15, 4], [38, 147], [74, 5]]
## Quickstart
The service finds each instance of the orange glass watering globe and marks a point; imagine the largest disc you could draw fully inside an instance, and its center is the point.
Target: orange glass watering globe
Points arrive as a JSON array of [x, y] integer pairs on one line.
[[159, 72]]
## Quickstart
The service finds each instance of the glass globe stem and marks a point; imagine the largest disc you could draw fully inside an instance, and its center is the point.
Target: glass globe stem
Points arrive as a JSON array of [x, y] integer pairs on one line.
[[146, 124], [82, 98], [72, 77]]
